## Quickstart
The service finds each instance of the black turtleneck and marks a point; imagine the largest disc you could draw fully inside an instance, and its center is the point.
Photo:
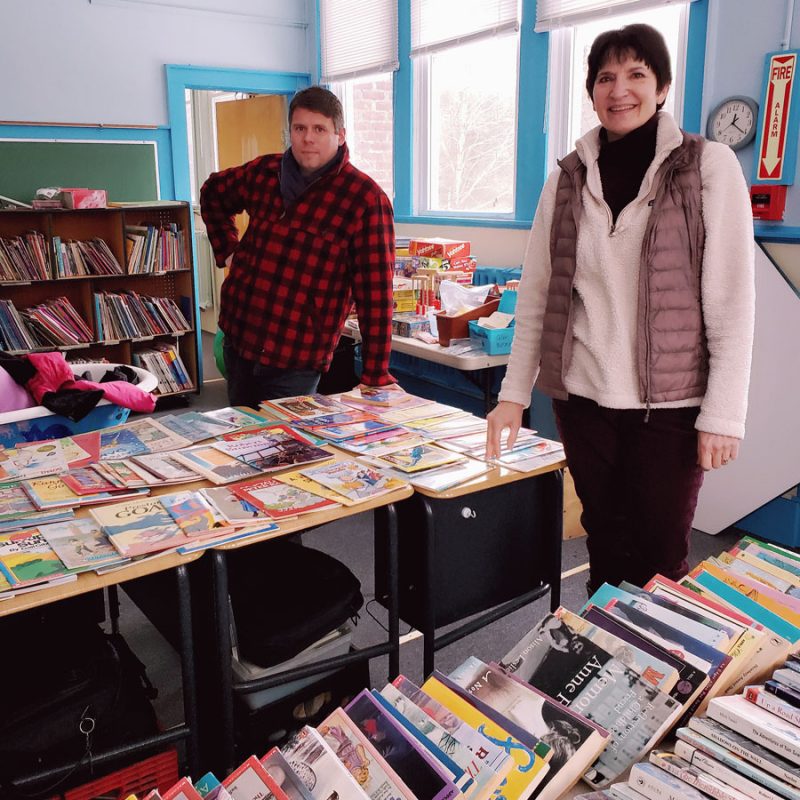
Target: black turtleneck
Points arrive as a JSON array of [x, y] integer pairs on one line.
[[624, 162]]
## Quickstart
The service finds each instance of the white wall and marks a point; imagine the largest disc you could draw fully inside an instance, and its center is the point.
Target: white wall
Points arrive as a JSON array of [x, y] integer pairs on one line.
[[103, 61]]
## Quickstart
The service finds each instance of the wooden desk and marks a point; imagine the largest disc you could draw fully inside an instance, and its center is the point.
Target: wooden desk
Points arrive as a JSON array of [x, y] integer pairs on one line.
[[493, 543], [90, 581], [478, 368]]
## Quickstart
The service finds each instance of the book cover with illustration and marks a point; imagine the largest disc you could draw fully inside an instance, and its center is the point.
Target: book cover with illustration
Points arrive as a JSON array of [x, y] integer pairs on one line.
[[139, 526], [87, 480], [250, 781], [575, 740], [193, 514], [580, 674], [311, 757], [232, 508], [281, 500], [419, 457], [15, 503], [52, 492], [352, 430], [426, 778], [215, 465], [195, 426], [275, 763], [235, 416], [31, 461], [26, 558], [80, 543], [155, 436], [303, 406], [166, 468], [119, 443], [313, 487], [372, 773], [272, 451], [354, 480]]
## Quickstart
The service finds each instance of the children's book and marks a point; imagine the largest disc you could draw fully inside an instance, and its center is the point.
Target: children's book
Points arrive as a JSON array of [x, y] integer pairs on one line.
[[52, 492], [193, 514], [250, 781], [240, 417], [122, 471], [311, 757], [392, 441], [139, 526], [354, 480], [351, 430], [382, 401], [26, 558], [489, 755], [575, 740], [279, 770], [300, 481], [15, 503], [232, 508], [155, 436], [303, 406], [36, 519], [80, 543], [426, 778], [182, 790], [273, 451], [166, 468], [120, 442], [340, 418], [280, 500], [31, 461], [213, 540], [73, 453], [215, 465], [87, 480], [194, 426], [577, 672], [482, 782], [363, 761], [419, 458], [527, 769]]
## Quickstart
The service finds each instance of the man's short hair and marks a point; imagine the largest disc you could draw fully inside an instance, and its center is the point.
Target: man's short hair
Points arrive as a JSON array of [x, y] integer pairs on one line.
[[641, 41], [320, 100]]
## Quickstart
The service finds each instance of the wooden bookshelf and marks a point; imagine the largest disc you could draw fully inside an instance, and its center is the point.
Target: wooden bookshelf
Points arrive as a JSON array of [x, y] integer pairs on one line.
[[109, 224]]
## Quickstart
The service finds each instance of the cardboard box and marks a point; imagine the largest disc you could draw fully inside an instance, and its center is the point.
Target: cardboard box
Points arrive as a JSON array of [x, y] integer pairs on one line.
[[438, 248], [83, 198], [409, 324]]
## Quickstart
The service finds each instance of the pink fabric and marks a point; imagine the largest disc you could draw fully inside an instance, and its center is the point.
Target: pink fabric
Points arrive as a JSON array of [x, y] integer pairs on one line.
[[13, 397], [53, 373]]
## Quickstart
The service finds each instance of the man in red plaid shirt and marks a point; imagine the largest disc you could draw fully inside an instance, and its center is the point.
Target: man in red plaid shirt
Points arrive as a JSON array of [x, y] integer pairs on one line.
[[320, 236]]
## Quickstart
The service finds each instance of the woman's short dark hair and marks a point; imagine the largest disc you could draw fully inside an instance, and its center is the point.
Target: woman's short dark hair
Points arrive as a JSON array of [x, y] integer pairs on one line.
[[320, 100], [642, 41]]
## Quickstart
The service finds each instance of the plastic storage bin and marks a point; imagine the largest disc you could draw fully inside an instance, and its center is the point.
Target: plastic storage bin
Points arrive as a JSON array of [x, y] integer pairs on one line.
[[37, 423], [776, 521], [497, 341]]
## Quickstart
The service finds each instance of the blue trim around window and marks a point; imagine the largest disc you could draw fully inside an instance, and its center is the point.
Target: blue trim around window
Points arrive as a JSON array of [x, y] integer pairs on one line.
[[403, 117], [695, 66], [160, 136], [776, 232]]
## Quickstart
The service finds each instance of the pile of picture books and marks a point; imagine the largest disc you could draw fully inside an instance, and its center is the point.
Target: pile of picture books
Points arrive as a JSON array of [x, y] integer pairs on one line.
[[582, 696], [128, 315], [152, 249], [56, 322], [24, 258], [165, 362], [93, 257]]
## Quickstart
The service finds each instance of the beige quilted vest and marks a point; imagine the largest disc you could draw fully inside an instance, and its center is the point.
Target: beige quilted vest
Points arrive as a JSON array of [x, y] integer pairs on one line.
[[671, 347]]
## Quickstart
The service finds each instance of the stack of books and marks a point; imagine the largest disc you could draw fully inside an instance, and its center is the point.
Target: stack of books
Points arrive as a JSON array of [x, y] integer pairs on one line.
[[14, 334], [24, 258], [151, 249], [128, 315], [56, 322], [165, 362], [73, 258]]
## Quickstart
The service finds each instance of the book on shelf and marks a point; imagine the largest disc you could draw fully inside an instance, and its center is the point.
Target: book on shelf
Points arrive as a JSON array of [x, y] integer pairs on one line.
[[309, 754], [426, 778], [24, 258], [527, 769], [576, 741], [588, 679], [740, 754], [361, 758]]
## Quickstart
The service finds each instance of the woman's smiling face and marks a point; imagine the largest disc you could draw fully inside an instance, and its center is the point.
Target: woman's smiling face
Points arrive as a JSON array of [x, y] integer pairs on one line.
[[626, 95]]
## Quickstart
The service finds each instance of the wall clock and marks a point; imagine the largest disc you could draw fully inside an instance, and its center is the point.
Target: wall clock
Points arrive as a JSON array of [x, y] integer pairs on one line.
[[733, 122]]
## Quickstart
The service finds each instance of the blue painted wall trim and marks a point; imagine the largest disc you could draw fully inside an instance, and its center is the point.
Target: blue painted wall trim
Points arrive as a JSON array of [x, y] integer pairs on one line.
[[776, 232], [403, 117], [695, 67], [465, 222], [179, 79], [100, 133]]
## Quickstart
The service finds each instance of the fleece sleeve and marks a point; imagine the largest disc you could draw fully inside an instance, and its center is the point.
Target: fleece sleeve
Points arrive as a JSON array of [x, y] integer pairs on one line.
[[728, 291], [523, 364]]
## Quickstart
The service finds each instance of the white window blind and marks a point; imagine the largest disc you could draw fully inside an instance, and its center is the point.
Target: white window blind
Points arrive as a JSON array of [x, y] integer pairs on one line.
[[440, 24], [357, 38], [552, 14]]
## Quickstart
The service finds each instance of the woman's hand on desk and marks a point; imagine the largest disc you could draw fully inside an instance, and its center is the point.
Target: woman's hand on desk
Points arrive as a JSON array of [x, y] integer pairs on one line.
[[506, 416]]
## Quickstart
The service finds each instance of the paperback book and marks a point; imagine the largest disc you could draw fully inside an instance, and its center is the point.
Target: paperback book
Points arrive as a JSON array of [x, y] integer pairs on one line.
[[279, 770], [215, 465], [419, 458], [119, 443], [232, 508], [354, 480], [87, 480], [303, 406], [26, 558], [280, 500], [273, 451], [80, 544], [166, 468]]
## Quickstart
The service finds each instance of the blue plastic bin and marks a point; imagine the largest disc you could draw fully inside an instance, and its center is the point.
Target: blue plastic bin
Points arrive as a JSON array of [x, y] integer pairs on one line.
[[776, 521]]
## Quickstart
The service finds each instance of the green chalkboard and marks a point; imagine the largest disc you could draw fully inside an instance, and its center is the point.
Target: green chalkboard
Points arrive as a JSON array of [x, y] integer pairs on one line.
[[126, 170]]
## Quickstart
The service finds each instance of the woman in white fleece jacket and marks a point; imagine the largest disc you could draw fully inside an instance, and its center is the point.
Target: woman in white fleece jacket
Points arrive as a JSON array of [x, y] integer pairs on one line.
[[607, 303]]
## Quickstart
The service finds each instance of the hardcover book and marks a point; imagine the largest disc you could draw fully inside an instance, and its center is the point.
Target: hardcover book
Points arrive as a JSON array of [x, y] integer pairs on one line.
[[80, 544], [527, 769], [362, 760], [280, 500], [425, 778], [588, 679], [575, 741], [140, 526], [354, 480], [310, 756]]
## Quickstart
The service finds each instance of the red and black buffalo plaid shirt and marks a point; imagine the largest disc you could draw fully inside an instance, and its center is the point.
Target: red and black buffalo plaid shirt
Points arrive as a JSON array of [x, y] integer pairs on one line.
[[297, 270]]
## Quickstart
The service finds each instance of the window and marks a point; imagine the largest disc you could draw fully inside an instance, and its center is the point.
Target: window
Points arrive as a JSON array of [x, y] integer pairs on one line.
[[571, 114], [369, 122], [466, 57]]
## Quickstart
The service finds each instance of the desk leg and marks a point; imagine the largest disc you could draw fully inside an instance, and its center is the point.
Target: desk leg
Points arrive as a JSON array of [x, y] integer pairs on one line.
[[187, 667], [428, 594], [488, 379], [386, 525], [223, 631], [553, 526]]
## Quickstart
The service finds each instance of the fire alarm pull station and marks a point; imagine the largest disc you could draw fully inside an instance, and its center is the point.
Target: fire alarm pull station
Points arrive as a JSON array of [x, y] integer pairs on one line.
[[768, 201]]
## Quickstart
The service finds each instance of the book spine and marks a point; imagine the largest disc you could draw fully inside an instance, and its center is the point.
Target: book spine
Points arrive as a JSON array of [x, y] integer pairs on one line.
[[723, 773], [694, 777], [773, 704], [785, 693], [648, 783]]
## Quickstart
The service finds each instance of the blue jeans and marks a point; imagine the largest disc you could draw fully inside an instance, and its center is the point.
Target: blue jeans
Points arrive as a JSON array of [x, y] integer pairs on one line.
[[250, 382]]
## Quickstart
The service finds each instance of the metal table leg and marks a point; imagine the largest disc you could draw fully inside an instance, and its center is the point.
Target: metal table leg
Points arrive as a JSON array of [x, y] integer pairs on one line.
[[188, 667], [225, 671]]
